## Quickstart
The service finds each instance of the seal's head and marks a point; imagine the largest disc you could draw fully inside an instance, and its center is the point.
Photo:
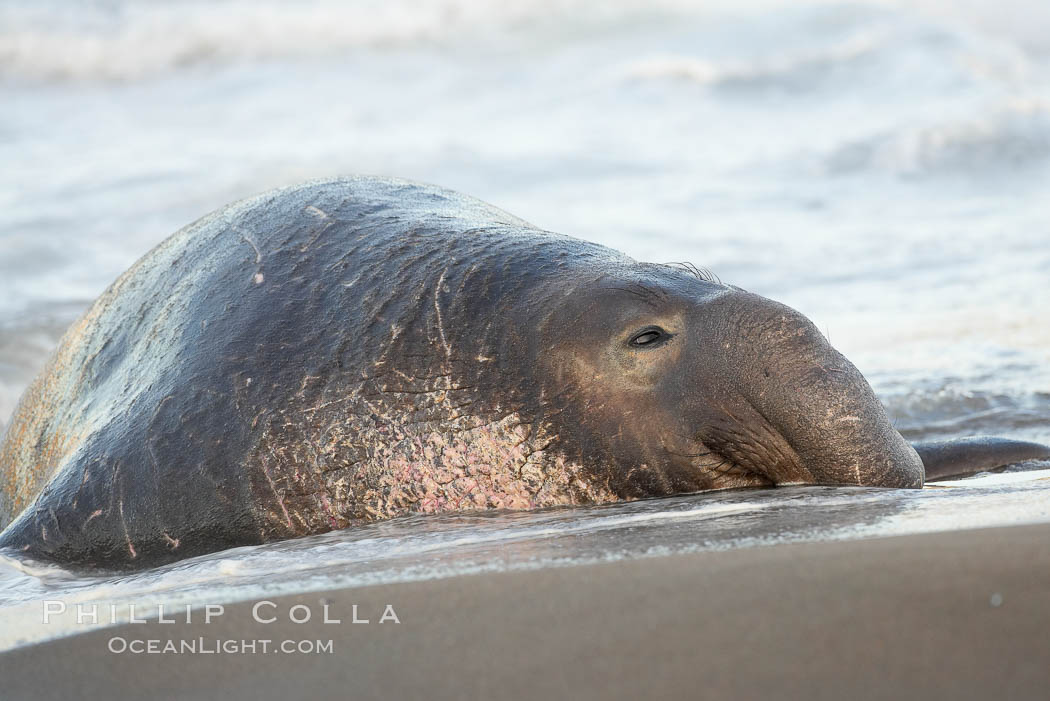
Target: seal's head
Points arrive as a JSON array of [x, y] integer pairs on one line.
[[676, 382]]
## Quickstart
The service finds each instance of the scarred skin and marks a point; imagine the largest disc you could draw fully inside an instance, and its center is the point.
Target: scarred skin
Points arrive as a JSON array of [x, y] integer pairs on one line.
[[358, 349]]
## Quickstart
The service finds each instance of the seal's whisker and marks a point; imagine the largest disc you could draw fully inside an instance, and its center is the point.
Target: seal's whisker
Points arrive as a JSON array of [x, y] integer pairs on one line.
[[696, 271]]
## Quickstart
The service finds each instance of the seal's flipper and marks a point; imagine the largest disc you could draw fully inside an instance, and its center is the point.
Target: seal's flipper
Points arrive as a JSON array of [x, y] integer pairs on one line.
[[966, 456]]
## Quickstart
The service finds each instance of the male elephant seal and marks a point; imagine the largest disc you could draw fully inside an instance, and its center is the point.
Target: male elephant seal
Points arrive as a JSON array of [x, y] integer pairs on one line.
[[357, 349]]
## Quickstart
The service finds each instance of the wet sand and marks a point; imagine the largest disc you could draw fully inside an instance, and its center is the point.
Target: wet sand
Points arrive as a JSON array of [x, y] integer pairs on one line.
[[954, 615]]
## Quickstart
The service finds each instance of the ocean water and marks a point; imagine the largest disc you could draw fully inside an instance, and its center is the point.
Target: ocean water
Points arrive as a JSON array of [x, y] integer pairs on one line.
[[884, 167]]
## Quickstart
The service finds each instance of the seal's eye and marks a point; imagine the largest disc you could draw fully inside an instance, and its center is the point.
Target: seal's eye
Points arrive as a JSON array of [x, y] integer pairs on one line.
[[649, 337]]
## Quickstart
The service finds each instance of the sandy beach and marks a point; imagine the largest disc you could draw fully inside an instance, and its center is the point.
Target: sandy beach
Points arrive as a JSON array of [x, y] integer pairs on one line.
[[949, 615]]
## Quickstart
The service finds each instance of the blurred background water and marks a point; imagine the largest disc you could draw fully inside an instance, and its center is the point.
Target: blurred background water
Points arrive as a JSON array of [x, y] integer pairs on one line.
[[881, 166]]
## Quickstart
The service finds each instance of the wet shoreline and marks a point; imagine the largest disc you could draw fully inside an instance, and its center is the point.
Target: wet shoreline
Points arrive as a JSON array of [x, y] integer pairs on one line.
[[431, 548], [947, 615]]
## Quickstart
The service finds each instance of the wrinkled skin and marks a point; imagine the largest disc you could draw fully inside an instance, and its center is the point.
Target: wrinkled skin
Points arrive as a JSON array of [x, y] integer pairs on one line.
[[359, 349], [713, 401]]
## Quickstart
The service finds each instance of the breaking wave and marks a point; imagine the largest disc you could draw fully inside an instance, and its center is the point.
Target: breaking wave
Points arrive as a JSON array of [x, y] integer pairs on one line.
[[120, 40], [128, 41], [800, 71], [1015, 136]]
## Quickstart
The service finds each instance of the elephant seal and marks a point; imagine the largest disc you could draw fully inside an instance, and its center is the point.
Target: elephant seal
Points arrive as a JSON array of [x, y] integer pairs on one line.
[[357, 349]]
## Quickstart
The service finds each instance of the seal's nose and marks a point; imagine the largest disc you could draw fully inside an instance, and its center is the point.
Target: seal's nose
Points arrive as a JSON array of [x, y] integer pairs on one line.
[[812, 395]]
